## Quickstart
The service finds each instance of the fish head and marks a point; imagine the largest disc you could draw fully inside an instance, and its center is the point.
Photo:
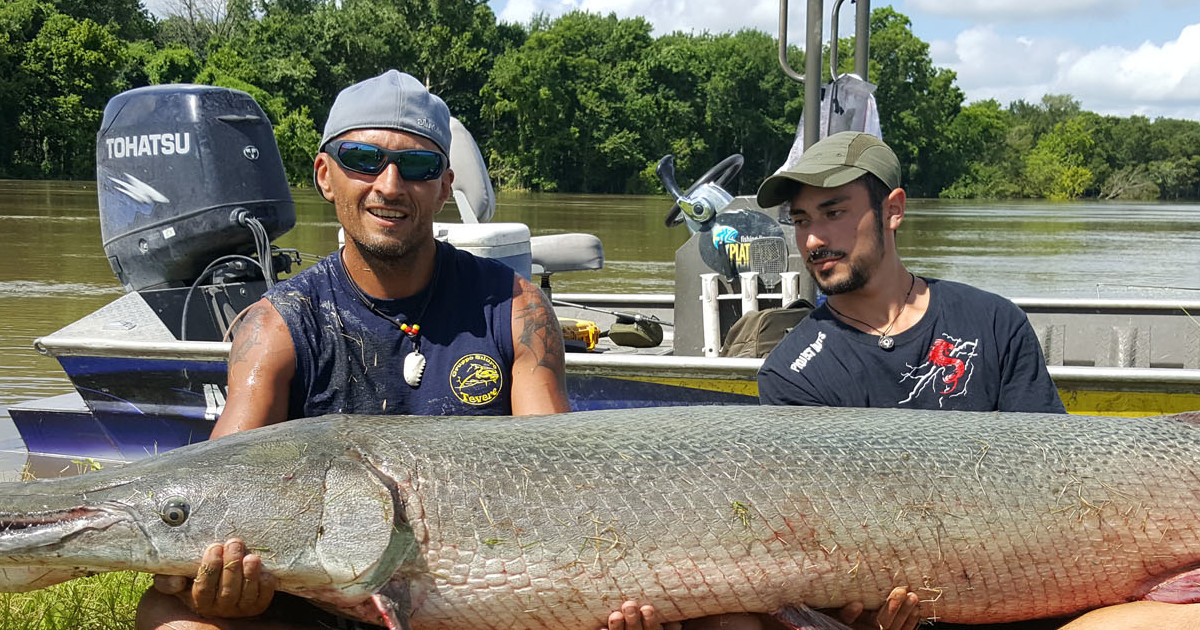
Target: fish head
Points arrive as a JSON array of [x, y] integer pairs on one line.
[[325, 520]]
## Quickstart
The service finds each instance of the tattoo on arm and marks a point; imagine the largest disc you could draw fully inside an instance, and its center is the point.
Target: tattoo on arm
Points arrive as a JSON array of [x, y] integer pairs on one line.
[[533, 316], [248, 334]]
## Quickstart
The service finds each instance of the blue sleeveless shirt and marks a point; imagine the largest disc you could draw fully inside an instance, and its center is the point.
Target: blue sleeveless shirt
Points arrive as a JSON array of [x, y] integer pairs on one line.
[[349, 359]]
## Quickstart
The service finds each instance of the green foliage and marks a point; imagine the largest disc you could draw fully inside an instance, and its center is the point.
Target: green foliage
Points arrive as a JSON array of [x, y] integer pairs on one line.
[[1054, 149], [297, 139], [1130, 183], [1041, 118], [983, 181], [103, 602], [172, 64], [747, 104], [977, 140], [73, 69], [1056, 167], [917, 103], [590, 103], [228, 68], [20, 22], [202, 25], [559, 103], [577, 103], [1177, 178]]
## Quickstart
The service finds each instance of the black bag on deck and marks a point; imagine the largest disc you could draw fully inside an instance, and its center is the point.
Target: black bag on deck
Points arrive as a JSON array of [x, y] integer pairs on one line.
[[758, 332]]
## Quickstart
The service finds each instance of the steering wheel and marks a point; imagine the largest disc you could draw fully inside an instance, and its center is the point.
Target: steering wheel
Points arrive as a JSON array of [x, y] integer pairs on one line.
[[721, 174]]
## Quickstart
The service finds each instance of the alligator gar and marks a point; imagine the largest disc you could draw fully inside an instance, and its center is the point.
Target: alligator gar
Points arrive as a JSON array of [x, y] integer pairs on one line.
[[551, 521]]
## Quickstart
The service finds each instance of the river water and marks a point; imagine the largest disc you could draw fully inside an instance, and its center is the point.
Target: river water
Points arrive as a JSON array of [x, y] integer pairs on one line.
[[53, 269]]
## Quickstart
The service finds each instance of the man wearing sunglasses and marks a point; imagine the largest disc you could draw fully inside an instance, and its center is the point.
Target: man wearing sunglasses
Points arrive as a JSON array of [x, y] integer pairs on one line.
[[394, 323]]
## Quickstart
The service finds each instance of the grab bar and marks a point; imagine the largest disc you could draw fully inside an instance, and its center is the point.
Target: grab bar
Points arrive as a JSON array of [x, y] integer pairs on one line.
[[812, 63]]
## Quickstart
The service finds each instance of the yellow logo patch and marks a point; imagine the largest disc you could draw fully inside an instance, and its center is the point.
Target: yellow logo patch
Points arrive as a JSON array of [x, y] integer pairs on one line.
[[476, 379]]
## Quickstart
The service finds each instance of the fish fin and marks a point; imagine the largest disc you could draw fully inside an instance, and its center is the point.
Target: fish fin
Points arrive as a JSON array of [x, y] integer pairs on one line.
[[1178, 589], [394, 604], [802, 617]]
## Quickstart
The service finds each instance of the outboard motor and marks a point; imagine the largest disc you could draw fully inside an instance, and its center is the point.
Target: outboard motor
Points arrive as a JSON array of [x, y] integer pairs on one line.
[[186, 174]]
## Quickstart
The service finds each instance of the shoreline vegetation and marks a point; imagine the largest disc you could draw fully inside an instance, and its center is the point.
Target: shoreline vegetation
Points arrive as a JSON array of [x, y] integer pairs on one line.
[[107, 601], [581, 103]]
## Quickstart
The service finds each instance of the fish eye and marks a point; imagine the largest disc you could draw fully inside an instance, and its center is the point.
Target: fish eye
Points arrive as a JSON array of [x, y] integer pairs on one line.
[[175, 511]]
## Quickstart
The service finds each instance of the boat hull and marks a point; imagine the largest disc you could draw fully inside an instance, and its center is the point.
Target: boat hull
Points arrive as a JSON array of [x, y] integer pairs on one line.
[[139, 391], [126, 408]]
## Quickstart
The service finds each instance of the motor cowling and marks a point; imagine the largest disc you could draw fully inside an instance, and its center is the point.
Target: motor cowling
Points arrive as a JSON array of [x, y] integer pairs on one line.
[[176, 165]]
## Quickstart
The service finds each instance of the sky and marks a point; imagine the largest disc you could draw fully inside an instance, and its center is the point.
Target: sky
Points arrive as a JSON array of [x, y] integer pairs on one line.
[[1119, 57]]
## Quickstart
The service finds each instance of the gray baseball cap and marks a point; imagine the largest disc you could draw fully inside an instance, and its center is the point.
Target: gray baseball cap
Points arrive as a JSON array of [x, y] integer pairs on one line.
[[392, 100], [832, 162]]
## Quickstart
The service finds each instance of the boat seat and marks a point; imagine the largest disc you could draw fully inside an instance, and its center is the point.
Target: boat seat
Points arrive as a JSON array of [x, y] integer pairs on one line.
[[471, 188], [553, 253]]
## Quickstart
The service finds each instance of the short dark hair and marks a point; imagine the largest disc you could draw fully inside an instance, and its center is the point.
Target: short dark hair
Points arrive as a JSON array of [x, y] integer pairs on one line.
[[877, 191]]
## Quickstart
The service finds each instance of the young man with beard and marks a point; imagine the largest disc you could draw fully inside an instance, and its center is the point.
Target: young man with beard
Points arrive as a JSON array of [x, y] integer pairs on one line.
[[886, 337], [394, 323]]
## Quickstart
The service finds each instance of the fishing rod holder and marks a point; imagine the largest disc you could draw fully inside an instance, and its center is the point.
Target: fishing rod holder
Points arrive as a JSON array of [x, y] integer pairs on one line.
[[750, 298]]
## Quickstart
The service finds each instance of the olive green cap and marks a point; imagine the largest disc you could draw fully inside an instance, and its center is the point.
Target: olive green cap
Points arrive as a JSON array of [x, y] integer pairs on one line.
[[832, 162]]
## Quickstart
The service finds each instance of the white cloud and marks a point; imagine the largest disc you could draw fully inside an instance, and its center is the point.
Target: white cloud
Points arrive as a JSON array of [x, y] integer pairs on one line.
[[675, 15], [519, 11], [983, 57], [1017, 10], [1168, 73], [1152, 80]]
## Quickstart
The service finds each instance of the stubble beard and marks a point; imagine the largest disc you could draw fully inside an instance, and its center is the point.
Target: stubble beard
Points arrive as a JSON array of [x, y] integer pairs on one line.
[[859, 274], [380, 250], [856, 280], [385, 252]]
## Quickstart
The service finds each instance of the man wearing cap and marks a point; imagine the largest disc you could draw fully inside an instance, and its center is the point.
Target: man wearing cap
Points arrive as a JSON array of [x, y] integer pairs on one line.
[[886, 337], [394, 323]]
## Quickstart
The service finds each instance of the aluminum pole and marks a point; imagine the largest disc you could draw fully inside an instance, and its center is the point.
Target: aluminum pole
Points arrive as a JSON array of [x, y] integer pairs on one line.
[[862, 38], [812, 74]]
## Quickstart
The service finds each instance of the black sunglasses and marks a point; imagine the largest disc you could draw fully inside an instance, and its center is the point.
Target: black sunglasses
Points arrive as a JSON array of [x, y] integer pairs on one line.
[[368, 159]]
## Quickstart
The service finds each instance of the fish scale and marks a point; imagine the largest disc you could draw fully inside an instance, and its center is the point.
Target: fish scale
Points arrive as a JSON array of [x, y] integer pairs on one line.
[[552, 521]]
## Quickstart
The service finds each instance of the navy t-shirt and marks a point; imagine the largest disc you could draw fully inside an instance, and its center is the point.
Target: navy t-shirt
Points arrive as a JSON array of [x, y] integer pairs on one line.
[[971, 351], [349, 359]]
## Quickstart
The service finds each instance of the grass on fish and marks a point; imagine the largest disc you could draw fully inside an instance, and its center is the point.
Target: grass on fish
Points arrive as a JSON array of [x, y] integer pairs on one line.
[[102, 602]]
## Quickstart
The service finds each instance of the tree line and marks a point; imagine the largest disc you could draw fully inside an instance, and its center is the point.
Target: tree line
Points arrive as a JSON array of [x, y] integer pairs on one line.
[[578, 103]]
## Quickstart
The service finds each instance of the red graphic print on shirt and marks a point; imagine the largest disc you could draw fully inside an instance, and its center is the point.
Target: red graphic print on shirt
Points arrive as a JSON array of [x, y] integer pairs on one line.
[[946, 371]]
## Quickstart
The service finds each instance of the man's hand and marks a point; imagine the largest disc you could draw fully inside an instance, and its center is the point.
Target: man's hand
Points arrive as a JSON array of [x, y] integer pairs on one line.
[[634, 617], [229, 583], [899, 612]]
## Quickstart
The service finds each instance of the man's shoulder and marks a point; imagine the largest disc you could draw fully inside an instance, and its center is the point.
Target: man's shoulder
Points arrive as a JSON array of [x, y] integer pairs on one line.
[[304, 280], [814, 329], [296, 295], [967, 294], [462, 259], [961, 288], [970, 308]]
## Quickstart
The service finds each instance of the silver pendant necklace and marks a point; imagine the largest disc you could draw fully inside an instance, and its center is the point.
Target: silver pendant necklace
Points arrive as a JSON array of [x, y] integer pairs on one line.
[[414, 362], [886, 341]]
